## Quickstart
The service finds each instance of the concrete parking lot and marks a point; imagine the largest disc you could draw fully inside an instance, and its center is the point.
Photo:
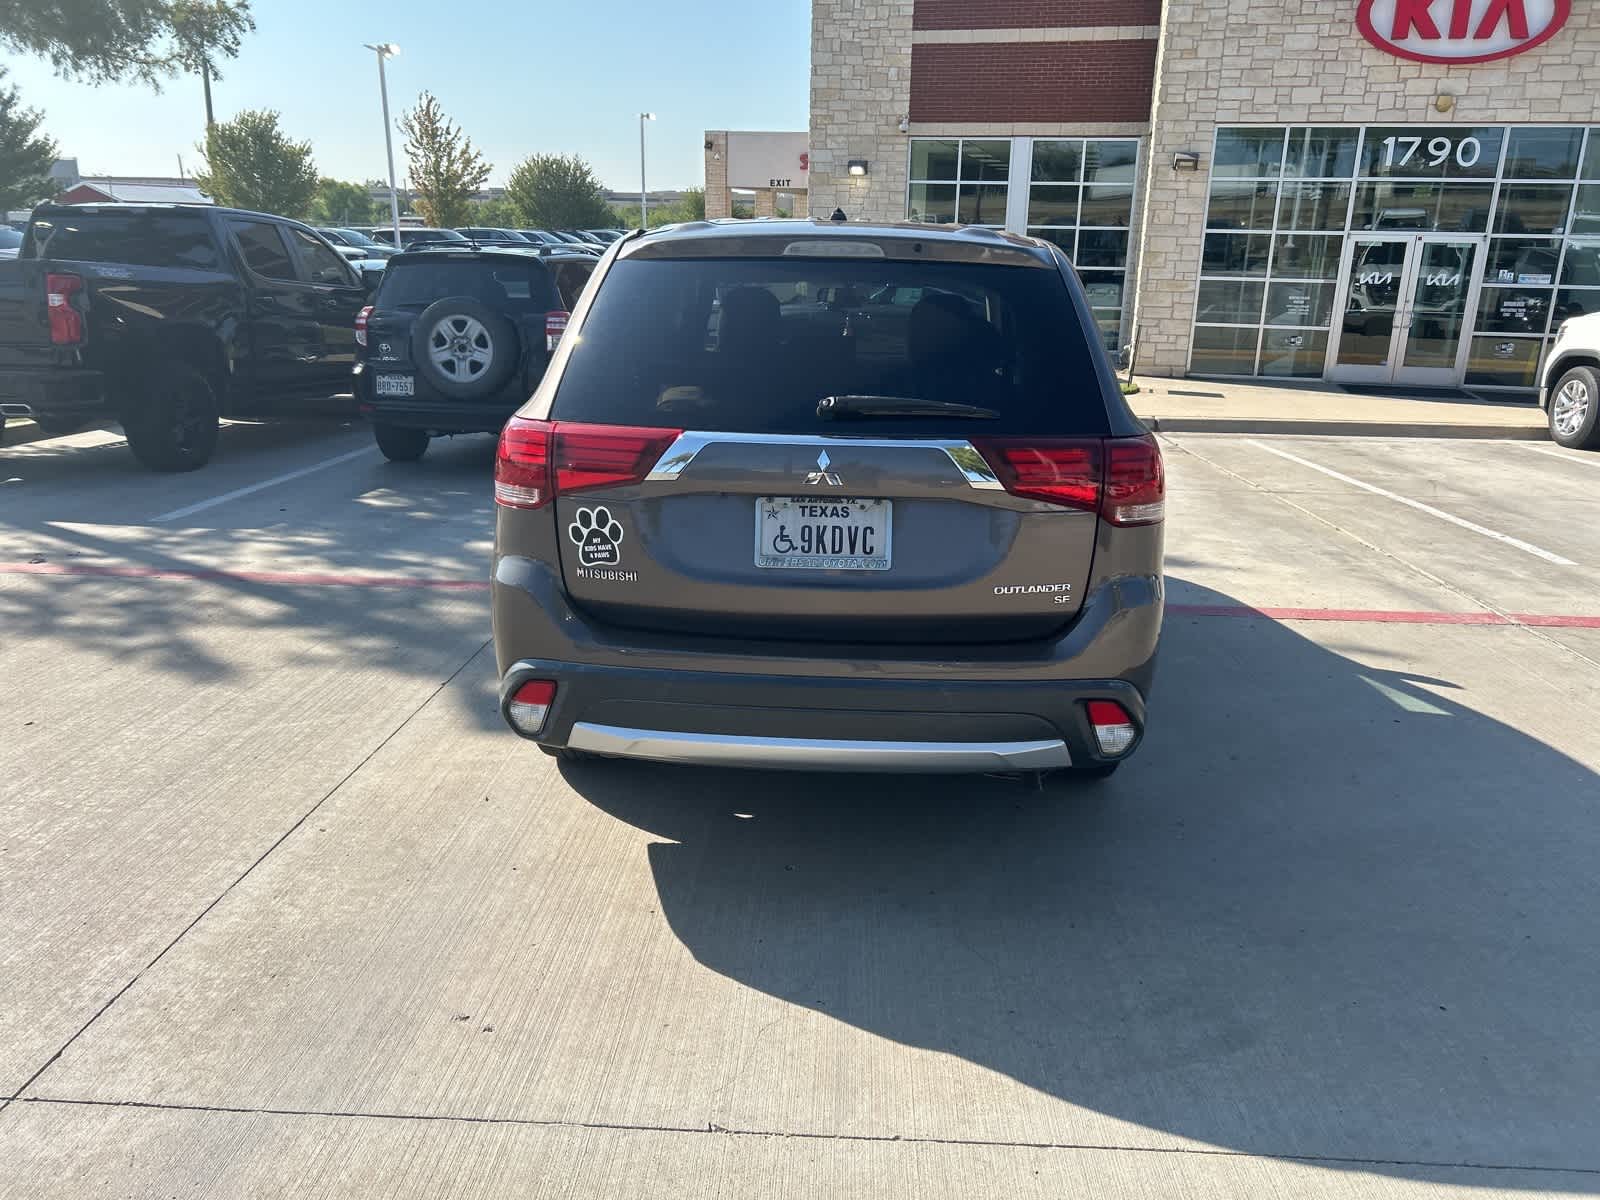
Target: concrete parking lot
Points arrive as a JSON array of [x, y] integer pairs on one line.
[[285, 912]]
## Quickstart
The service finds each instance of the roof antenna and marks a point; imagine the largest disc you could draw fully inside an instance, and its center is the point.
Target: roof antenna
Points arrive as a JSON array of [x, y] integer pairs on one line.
[[838, 215]]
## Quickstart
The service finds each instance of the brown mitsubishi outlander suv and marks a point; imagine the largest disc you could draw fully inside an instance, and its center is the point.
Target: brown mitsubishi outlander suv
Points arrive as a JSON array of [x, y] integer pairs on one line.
[[821, 495]]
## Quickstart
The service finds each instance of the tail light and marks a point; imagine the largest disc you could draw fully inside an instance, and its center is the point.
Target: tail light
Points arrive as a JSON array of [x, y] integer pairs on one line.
[[361, 325], [1136, 482], [66, 322], [1121, 478], [539, 460], [1114, 730], [555, 324], [530, 705]]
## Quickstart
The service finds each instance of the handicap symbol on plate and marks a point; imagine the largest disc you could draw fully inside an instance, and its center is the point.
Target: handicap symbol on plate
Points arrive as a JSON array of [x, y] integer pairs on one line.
[[782, 543], [596, 534]]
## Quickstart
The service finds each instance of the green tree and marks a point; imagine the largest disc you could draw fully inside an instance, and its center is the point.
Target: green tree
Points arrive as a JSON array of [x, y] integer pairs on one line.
[[339, 203], [445, 167], [496, 214], [104, 40], [25, 154], [558, 191], [250, 163], [204, 31]]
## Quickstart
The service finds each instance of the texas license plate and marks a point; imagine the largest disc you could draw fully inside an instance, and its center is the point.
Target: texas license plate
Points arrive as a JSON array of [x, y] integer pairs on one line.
[[395, 385], [823, 534]]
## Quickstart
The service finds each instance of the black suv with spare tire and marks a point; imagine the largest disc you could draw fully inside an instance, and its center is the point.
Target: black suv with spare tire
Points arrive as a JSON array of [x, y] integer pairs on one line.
[[457, 339]]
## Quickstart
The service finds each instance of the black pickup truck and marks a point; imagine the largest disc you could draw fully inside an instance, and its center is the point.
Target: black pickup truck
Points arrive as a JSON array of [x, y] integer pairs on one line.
[[166, 318]]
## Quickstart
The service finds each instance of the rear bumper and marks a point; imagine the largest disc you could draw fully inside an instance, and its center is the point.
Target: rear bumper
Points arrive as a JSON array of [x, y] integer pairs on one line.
[[58, 397], [435, 413], [823, 707]]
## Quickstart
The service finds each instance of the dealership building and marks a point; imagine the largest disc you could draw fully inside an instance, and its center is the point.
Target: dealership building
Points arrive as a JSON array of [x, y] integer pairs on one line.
[[1389, 192]]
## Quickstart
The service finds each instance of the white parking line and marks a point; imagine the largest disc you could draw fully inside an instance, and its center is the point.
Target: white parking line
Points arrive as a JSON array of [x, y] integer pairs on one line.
[[1575, 456], [189, 510], [1506, 538]]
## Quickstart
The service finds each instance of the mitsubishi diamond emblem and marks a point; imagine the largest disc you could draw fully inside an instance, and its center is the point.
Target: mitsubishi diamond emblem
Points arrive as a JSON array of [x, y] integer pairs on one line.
[[823, 476]]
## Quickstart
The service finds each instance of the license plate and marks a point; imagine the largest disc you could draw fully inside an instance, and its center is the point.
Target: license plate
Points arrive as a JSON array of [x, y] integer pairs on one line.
[[394, 385], [823, 534]]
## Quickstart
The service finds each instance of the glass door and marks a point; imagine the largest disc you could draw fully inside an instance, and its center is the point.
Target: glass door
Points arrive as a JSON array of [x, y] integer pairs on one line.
[[1405, 305], [1372, 281], [1440, 300]]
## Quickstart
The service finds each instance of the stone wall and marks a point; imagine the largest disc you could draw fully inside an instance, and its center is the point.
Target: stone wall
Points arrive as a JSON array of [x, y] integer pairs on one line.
[[860, 94], [1228, 62], [719, 203]]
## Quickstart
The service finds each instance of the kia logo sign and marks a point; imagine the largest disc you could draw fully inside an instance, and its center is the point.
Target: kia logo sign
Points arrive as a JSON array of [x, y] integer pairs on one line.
[[1460, 31]]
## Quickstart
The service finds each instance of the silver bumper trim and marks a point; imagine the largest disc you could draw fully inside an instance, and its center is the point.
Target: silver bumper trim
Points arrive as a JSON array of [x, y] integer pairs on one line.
[[971, 465], [817, 754]]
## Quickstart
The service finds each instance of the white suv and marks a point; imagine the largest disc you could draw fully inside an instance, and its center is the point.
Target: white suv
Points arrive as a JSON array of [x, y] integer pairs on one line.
[[1570, 389]]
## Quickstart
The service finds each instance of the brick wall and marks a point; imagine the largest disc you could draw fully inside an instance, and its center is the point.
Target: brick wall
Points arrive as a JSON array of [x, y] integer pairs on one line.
[[1033, 14], [1032, 81]]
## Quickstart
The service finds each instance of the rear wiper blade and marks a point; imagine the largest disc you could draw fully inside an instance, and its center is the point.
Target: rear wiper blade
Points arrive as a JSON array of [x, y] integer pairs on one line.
[[842, 408]]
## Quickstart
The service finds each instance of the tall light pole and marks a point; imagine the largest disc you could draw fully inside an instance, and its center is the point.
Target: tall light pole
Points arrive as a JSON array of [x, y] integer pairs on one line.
[[386, 50], [644, 210]]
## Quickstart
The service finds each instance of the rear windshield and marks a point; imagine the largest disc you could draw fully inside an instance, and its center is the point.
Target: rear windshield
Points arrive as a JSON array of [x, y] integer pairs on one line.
[[502, 285], [139, 239], [751, 345]]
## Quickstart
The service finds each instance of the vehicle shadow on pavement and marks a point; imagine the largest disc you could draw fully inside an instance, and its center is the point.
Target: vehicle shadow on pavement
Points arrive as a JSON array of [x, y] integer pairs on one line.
[[1306, 921]]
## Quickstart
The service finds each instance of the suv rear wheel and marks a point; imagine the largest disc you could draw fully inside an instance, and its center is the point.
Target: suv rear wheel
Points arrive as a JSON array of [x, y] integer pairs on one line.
[[400, 444], [1575, 410], [172, 419]]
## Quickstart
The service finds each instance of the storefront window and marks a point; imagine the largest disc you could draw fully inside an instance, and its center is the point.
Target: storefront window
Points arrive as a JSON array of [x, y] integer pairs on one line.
[[1431, 152], [1543, 153], [1241, 204], [1079, 194], [1248, 154], [1447, 207], [1284, 203], [1314, 206]]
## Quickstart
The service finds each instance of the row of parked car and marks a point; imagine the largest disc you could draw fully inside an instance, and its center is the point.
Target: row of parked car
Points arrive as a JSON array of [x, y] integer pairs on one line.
[[167, 318], [379, 242]]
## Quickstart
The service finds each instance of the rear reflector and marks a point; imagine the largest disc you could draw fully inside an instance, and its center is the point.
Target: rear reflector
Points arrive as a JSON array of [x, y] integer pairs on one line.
[[1114, 730], [539, 460], [530, 705], [66, 322]]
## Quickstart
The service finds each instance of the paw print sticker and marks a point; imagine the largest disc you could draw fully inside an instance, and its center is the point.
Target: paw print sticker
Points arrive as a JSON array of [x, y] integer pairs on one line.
[[596, 534]]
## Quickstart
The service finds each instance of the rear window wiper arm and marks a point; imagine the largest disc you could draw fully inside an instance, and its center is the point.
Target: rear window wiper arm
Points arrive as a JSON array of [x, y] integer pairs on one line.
[[842, 408]]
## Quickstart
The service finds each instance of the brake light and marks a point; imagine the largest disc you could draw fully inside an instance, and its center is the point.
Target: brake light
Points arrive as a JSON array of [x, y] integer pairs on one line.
[[1114, 730], [361, 325], [555, 324], [1122, 478], [1057, 472], [538, 460], [66, 322], [1136, 482]]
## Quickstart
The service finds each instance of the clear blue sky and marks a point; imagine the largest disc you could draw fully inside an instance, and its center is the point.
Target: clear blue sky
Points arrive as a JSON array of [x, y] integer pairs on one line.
[[518, 77]]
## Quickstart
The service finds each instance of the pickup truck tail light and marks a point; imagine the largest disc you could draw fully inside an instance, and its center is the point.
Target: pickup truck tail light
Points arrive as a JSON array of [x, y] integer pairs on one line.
[[555, 324], [361, 325], [66, 322], [538, 460]]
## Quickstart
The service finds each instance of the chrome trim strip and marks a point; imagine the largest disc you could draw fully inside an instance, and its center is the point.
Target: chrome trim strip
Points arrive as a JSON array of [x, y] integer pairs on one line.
[[963, 454], [816, 754]]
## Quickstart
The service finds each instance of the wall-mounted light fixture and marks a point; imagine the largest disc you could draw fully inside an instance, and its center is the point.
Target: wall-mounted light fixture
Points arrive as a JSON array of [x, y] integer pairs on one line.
[[1185, 160], [857, 166], [905, 124]]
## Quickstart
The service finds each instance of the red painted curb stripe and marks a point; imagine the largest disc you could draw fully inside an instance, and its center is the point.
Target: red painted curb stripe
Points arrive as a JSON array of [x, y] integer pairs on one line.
[[1358, 616], [286, 578]]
